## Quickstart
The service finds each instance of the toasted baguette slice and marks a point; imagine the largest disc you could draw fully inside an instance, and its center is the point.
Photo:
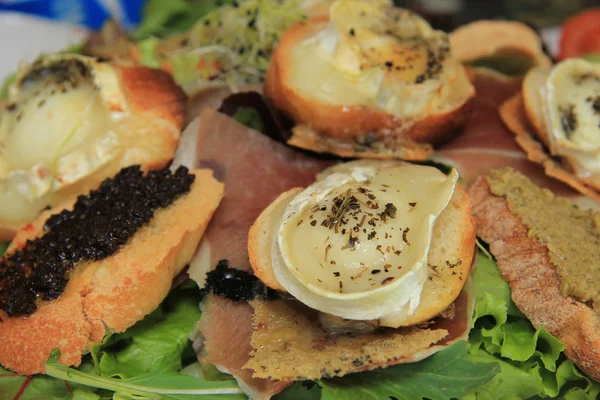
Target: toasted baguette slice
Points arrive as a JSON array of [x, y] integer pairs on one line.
[[524, 262], [533, 102], [62, 139], [508, 46], [513, 114], [418, 118], [453, 239], [112, 294]]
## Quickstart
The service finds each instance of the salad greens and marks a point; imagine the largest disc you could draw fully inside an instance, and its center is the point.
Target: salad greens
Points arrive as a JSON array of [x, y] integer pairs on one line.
[[231, 45], [532, 362], [505, 358], [163, 18], [145, 362]]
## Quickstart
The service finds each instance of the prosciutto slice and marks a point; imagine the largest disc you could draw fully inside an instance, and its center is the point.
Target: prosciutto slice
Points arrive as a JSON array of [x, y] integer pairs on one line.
[[486, 143], [255, 170]]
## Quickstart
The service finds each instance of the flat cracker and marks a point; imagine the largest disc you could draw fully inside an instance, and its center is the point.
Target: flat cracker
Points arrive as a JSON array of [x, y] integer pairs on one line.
[[512, 113], [290, 344]]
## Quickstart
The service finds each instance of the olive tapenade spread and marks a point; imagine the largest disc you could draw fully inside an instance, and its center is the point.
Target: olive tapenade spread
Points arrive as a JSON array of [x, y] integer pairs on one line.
[[236, 284], [98, 226], [571, 234]]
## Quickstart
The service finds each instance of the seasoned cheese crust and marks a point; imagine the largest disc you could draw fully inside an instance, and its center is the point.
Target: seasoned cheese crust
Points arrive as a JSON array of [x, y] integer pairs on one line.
[[378, 111], [525, 264], [98, 117], [112, 294], [449, 258]]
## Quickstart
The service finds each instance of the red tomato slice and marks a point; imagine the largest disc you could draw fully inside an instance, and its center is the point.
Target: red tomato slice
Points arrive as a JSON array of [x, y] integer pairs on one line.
[[580, 34]]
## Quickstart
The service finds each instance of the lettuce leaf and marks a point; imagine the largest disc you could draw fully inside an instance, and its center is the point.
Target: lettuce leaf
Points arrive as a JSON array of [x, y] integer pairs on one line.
[[163, 18], [40, 387], [249, 117], [445, 375], [159, 384], [532, 362], [3, 247], [156, 343]]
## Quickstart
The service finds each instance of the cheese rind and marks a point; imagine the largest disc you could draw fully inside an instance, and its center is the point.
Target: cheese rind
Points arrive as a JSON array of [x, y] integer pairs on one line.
[[373, 54], [355, 243], [571, 96]]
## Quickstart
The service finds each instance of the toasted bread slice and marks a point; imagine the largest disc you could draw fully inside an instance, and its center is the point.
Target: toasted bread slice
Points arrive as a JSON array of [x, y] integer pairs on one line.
[[105, 117], [525, 263], [533, 102], [450, 254], [507, 46], [380, 124], [514, 116], [112, 294]]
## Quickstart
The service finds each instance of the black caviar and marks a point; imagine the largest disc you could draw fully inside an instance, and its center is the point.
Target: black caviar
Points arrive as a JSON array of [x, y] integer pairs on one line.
[[100, 223], [236, 284]]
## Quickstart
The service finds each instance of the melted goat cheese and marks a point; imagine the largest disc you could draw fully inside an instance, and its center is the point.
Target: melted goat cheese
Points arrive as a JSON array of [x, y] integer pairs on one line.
[[355, 243], [373, 54], [571, 97]]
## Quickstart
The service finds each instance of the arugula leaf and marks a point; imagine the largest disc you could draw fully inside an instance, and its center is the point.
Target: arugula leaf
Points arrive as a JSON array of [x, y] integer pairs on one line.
[[250, 117], [300, 391], [155, 343], [40, 387], [162, 18], [445, 375], [165, 384]]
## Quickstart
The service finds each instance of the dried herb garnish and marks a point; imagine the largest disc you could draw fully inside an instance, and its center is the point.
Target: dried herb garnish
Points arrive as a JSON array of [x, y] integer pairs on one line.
[[568, 119]]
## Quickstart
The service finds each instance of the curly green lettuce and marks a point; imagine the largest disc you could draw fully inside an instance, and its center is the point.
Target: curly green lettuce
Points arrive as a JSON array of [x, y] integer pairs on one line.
[[532, 362]]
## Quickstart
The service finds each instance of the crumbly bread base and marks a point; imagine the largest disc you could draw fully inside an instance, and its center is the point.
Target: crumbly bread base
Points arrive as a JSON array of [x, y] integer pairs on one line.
[[289, 342], [535, 287], [112, 294]]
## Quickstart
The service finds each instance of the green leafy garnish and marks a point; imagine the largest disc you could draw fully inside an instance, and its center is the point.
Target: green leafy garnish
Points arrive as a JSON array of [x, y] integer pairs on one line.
[[155, 343], [163, 18], [249, 117], [531, 361], [595, 58], [169, 385], [443, 376], [3, 247], [228, 46]]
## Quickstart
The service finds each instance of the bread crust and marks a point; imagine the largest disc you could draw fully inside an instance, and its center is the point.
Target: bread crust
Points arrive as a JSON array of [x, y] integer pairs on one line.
[[535, 287], [341, 127], [497, 37], [112, 294], [514, 116], [154, 97], [453, 242]]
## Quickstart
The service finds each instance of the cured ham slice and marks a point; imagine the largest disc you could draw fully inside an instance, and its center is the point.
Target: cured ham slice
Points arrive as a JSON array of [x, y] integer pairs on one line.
[[255, 170], [486, 143]]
